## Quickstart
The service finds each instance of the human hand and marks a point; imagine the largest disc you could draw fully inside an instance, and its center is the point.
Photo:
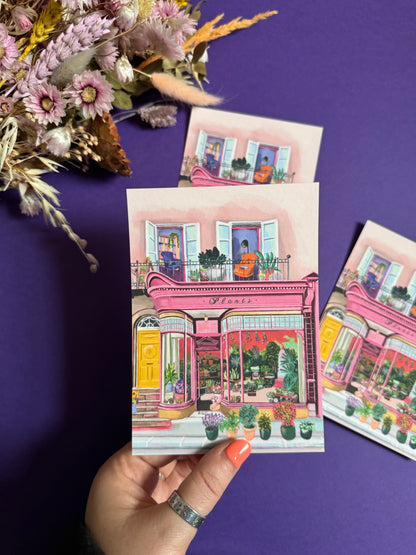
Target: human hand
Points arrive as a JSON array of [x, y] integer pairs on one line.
[[127, 512]]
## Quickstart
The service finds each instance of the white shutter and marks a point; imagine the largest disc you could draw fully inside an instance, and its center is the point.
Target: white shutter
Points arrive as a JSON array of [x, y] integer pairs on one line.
[[365, 262], [191, 247], [411, 288], [283, 158], [228, 155], [224, 245], [200, 147], [251, 155], [152, 248], [270, 237], [391, 279]]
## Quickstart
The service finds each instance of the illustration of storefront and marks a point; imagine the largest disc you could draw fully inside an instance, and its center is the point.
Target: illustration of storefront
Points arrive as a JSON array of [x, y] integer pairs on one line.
[[240, 339], [368, 333]]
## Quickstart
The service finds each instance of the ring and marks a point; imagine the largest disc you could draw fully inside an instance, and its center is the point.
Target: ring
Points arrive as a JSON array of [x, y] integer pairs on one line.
[[186, 512]]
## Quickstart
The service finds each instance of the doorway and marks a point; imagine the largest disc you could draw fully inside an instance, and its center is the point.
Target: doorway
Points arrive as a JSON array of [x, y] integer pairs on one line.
[[208, 364]]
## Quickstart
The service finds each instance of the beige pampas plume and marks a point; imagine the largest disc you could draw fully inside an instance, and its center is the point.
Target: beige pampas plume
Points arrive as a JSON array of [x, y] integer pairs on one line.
[[179, 90]]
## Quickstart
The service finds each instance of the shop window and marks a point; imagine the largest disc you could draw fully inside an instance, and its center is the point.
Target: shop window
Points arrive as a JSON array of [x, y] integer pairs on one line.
[[175, 384], [342, 355]]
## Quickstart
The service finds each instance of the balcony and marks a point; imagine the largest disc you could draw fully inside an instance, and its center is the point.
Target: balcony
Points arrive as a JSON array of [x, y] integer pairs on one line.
[[250, 269]]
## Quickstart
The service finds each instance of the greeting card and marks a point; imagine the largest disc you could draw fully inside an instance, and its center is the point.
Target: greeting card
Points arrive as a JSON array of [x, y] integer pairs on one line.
[[368, 341], [228, 148], [225, 318]]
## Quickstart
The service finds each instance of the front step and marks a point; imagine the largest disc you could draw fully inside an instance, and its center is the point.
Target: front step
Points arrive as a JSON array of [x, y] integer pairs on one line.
[[145, 423]]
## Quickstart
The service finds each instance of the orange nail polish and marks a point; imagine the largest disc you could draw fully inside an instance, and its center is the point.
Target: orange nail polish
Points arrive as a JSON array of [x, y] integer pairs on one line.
[[238, 451]]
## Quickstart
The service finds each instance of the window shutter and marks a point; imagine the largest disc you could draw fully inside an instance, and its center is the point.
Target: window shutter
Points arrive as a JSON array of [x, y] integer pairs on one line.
[[200, 147], [228, 155], [151, 243], [391, 279], [251, 155], [192, 247], [224, 244], [365, 262], [269, 237]]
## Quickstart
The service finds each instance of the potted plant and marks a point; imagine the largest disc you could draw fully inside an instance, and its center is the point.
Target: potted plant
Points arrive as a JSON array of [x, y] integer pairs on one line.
[[240, 168], [134, 395], [279, 175], [387, 424], [351, 404], [399, 297], [194, 275], [364, 411], [179, 390], [217, 392], [230, 424], [212, 264], [306, 429], [170, 377], [286, 413], [265, 426], [412, 441], [388, 392], [404, 421], [211, 421], [267, 264], [247, 417], [378, 411], [251, 388]]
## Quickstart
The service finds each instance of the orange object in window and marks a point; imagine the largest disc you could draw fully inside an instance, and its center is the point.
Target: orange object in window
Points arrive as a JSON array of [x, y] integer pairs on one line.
[[263, 175], [246, 268]]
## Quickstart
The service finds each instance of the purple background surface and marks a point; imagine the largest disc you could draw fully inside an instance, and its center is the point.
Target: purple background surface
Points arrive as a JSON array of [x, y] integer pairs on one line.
[[65, 334]]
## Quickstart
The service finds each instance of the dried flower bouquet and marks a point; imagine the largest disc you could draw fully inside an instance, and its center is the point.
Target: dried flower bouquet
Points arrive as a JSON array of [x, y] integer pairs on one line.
[[65, 64]]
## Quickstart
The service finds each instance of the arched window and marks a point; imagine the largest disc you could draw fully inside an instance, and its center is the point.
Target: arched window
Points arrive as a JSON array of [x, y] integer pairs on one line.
[[148, 322]]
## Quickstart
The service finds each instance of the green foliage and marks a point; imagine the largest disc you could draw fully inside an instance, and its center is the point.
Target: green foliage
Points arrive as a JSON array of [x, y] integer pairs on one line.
[[378, 411], [337, 356], [171, 374], [306, 426], [387, 421], [230, 422], [266, 261], [289, 364], [247, 415], [399, 292], [365, 409], [211, 258], [240, 164], [271, 355], [264, 422]]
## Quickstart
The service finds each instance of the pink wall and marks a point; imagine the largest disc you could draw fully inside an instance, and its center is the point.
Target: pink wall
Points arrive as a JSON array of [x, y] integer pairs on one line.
[[304, 139], [295, 206], [388, 244]]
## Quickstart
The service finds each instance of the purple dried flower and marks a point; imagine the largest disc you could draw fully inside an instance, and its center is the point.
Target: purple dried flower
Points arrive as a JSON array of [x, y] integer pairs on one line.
[[91, 93], [162, 115], [180, 22], [6, 105], [156, 36], [106, 55]]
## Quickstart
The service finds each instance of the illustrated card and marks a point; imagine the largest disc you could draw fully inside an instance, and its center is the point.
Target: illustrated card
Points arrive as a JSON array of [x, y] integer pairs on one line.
[[225, 318], [228, 148], [368, 341]]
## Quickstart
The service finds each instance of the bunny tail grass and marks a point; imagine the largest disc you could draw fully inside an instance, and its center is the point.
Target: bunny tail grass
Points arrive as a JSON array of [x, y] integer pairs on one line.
[[179, 90]]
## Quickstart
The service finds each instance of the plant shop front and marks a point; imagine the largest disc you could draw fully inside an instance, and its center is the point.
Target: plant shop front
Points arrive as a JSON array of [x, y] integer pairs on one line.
[[224, 344], [374, 352]]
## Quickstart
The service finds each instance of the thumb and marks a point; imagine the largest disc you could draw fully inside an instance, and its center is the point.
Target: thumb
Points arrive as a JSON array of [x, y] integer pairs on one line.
[[210, 477]]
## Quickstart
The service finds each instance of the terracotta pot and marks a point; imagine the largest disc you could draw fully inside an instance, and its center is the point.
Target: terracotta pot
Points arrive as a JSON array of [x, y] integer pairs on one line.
[[375, 423], [249, 433], [232, 434], [363, 418]]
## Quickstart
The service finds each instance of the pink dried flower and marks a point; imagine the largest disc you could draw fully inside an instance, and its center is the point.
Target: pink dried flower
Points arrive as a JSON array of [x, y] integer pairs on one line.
[[106, 55], [8, 49], [180, 22], [58, 140], [6, 105], [23, 19], [30, 205], [153, 34], [46, 104], [91, 93]]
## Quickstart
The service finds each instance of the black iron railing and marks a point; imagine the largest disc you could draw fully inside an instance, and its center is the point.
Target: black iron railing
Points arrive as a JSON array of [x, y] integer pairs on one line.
[[230, 270]]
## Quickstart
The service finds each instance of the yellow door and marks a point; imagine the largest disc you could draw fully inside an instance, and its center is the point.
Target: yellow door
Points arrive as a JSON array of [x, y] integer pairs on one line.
[[328, 334], [148, 358]]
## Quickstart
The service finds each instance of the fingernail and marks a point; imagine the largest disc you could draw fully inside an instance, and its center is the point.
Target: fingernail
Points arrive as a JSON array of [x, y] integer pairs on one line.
[[238, 451]]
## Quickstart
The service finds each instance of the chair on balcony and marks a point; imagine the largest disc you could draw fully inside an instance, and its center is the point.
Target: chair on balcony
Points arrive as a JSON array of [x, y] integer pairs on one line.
[[170, 262], [245, 269], [370, 281]]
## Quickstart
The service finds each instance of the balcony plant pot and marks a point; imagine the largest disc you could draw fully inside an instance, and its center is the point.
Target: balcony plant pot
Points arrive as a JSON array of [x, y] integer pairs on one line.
[[216, 273], [307, 434], [288, 432], [211, 432], [349, 411], [265, 434], [249, 432], [401, 436]]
